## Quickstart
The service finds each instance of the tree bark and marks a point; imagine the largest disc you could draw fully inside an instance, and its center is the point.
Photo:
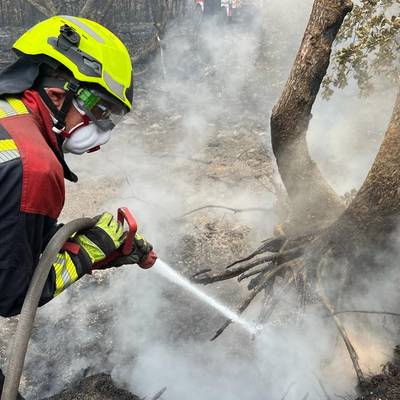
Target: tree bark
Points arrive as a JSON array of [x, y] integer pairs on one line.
[[312, 199], [160, 14], [46, 7], [96, 10], [373, 214]]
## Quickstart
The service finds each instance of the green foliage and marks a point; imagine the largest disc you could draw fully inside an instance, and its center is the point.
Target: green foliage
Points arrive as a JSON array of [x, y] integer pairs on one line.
[[367, 46]]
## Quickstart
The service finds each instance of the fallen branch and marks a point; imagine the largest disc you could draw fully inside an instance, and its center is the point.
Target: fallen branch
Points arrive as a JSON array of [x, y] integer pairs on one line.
[[243, 306], [287, 391], [234, 210], [266, 312], [198, 160], [367, 312], [326, 302], [255, 272], [140, 73], [326, 394], [159, 394], [266, 280]]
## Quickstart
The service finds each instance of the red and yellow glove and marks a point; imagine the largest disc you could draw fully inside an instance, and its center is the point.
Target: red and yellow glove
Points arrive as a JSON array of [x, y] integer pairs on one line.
[[98, 248]]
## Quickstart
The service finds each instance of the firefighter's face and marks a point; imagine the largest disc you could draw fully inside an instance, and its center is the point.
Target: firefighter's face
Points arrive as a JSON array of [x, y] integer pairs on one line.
[[73, 116]]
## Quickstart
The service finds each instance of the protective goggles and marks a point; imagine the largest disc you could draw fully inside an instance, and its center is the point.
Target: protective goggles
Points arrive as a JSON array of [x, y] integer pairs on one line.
[[103, 110]]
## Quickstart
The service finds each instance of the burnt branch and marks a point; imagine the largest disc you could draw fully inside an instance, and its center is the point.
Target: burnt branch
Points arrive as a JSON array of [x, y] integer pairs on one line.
[[234, 210], [328, 305], [264, 269], [323, 388], [158, 395], [393, 314], [278, 259], [243, 306], [275, 245], [287, 391]]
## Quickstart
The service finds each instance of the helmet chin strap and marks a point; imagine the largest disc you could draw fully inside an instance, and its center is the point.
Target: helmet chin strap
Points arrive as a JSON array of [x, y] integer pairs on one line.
[[59, 115]]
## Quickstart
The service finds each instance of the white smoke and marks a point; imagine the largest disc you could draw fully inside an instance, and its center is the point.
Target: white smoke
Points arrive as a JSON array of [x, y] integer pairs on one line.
[[213, 105]]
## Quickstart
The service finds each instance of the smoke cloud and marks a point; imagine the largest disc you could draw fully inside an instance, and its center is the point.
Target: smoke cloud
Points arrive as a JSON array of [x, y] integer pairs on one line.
[[196, 138]]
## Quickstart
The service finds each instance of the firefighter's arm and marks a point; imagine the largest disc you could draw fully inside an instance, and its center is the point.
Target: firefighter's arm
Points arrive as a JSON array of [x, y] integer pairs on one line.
[[83, 250]]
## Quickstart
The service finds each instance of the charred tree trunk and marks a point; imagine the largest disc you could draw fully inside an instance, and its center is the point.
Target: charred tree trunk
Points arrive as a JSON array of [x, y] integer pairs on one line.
[[373, 214], [96, 10], [46, 7], [312, 200]]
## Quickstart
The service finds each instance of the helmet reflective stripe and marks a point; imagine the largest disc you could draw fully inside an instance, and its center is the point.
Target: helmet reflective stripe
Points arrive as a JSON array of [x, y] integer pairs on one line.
[[85, 27], [113, 84]]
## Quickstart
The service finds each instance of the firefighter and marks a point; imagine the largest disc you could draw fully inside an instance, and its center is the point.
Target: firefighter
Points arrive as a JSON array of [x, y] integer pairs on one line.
[[70, 86]]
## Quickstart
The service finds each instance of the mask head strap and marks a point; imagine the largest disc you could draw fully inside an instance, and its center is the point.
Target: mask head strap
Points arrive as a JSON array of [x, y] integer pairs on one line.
[[71, 88]]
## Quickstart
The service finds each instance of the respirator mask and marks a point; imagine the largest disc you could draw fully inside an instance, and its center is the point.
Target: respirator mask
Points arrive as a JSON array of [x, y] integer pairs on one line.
[[100, 115]]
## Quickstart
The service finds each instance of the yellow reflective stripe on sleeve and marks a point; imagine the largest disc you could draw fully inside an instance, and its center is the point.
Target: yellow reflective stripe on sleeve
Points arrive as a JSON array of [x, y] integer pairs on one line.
[[10, 106], [8, 150], [94, 252], [65, 271], [18, 105], [7, 144]]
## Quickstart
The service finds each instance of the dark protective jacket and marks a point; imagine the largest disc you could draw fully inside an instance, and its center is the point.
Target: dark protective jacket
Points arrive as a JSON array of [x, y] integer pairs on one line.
[[32, 171]]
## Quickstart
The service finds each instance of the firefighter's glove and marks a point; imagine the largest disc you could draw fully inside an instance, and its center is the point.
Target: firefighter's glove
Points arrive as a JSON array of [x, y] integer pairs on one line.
[[103, 239], [142, 254]]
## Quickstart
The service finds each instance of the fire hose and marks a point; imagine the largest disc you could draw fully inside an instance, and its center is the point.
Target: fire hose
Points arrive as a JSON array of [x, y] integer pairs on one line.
[[28, 312]]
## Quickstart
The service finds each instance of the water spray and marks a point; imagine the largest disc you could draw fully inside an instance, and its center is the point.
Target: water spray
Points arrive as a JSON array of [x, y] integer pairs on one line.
[[168, 272]]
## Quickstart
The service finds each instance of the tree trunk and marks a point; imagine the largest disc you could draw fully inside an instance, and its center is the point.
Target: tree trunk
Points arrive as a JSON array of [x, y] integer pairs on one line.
[[312, 199], [46, 7], [373, 214], [96, 10]]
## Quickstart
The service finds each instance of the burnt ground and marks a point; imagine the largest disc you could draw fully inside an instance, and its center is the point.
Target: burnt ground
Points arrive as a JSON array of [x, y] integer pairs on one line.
[[198, 137], [97, 387]]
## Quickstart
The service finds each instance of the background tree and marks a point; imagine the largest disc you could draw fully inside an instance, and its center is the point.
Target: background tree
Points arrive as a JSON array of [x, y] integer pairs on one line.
[[321, 236], [140, 23]]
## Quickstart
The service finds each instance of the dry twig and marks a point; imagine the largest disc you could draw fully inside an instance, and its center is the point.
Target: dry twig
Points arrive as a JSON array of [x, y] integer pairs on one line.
[[287, 391], [325, 300], [367, 312], [234, 210], [159, 394], [243, 306], [326, 394]]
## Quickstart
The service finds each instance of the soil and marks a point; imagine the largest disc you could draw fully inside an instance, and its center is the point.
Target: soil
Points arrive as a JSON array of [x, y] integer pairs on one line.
[[385, 386], [97, 387]]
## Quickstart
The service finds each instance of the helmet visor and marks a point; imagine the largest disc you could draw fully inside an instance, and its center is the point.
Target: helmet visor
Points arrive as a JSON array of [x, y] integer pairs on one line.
[[103, 110]]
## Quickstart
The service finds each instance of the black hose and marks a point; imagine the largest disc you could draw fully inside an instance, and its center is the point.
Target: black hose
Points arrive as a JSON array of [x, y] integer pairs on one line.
[[28, 312]]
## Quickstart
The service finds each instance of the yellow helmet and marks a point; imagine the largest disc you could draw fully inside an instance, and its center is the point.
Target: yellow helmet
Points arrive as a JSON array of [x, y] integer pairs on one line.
[[89, 50]]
